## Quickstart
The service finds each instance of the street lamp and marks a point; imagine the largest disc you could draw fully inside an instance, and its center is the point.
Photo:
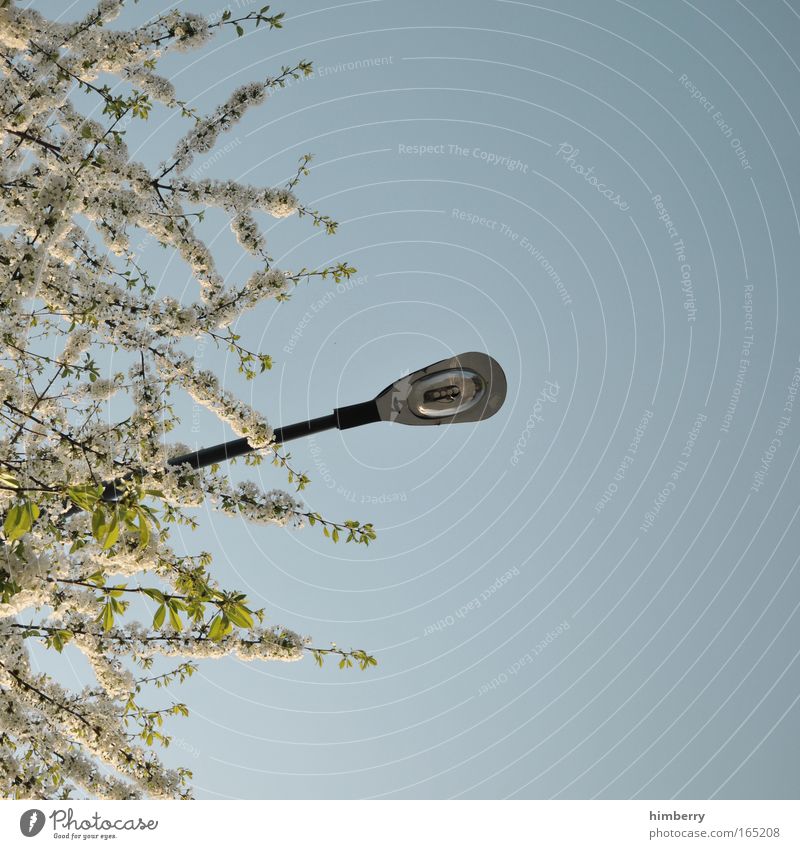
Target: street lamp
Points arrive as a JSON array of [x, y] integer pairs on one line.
[[467, 388]]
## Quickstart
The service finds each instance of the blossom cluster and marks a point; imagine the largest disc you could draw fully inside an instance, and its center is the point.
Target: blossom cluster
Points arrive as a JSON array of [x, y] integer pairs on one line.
[[73, 298]]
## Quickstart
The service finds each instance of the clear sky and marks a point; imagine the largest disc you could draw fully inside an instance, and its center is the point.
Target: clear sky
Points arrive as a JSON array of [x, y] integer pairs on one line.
[[595, 592]]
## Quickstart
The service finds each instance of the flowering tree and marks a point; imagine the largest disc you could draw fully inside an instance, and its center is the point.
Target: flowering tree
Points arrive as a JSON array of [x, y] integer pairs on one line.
[[72, 294]]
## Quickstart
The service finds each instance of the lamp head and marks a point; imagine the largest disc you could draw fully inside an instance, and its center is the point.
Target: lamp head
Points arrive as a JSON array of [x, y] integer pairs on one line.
[[466, 388]]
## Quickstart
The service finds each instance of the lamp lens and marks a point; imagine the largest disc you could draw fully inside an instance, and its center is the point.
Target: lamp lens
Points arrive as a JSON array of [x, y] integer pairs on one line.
[[446, 393]]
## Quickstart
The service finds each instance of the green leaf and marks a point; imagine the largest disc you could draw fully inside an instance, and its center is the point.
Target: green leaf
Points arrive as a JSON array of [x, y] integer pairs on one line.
[[174, 619], [98, 520], [13, 523], [110, 532], [218, 628], [8, 480], [85, 496], [239, 615], [155, 594], [20, 519], [59, 638], [158, 619], [144, 528], [150, 514], [107, 616]]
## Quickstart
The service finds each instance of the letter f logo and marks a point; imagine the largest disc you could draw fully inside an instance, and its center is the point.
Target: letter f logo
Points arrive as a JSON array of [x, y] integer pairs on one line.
[[31, 822]]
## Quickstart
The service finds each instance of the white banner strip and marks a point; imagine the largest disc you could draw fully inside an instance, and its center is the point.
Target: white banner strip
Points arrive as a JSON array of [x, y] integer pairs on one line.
[[400, 824]]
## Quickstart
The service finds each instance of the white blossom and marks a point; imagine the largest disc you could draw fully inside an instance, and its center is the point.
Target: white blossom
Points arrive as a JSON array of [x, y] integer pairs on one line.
[[75, 208]]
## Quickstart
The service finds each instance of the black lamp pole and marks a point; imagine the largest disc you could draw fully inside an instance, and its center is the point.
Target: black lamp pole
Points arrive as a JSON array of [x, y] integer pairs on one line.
[[343, 418]]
